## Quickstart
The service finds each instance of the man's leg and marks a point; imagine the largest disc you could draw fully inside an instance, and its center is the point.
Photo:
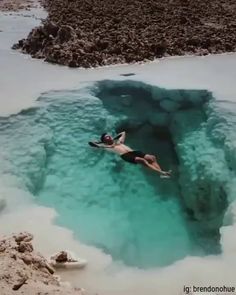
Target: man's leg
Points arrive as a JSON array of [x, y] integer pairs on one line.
[[147, 164], [153, 161]]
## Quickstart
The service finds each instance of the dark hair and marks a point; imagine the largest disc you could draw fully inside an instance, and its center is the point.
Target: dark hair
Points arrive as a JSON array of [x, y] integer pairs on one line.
[[103, 137]]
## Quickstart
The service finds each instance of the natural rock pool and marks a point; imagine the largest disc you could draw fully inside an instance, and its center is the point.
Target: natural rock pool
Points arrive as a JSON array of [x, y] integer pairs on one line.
[[126, 210]]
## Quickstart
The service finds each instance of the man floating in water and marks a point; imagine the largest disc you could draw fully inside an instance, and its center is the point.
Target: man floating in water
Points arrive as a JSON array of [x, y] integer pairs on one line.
[[117, 145]]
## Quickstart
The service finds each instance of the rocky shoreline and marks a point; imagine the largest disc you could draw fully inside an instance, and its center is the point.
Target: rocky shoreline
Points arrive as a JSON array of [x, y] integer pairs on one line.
[[16, 5], [26, 271], [80, 33]]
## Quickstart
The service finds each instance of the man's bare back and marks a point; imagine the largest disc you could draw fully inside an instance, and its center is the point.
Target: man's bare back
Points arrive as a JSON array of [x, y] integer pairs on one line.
[[117, 146]]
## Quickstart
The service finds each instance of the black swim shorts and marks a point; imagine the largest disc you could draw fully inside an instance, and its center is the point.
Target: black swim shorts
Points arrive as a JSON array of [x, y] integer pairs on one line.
[[130, 156]]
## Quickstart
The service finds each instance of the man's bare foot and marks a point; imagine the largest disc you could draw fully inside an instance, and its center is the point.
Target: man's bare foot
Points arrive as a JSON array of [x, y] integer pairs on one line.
[[166, 174]]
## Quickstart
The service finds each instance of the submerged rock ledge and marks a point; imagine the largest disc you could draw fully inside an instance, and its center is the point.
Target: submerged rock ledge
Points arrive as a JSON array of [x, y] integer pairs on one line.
[[21, 268], [91, 33]]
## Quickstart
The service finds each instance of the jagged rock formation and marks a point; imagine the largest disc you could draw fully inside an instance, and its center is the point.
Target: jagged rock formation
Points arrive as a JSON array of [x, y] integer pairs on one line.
[[15, 5], [91, 33], [21, 268]]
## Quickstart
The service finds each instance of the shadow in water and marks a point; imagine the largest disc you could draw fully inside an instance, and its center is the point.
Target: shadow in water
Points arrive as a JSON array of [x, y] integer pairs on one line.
[[135, 107]]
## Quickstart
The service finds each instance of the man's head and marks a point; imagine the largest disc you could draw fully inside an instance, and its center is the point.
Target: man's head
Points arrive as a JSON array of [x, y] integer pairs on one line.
[[107, 139]]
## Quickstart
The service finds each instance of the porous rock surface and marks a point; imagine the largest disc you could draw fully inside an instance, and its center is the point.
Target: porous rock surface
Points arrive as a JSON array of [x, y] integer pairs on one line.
[[26, 271], [16, 5], [90, 33]]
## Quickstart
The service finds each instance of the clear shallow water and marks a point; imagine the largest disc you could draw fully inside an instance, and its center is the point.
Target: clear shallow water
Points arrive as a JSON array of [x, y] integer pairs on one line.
[[125, 210]]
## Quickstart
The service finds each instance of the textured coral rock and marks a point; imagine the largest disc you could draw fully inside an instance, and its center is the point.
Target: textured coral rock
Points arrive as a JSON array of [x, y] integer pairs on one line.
[[15, 5], [91, 33], [27, 271]]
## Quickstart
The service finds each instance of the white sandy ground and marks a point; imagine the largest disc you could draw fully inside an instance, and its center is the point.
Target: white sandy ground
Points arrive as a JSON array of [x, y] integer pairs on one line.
[[21, 82]]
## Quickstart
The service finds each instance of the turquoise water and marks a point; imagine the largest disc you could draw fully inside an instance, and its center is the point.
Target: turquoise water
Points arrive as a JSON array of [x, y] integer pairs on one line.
[[126, 210], [123, 209]]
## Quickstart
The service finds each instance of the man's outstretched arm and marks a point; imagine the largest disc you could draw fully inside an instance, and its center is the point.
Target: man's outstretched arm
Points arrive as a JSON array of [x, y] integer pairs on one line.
[[121, 137], [94, 144], [99, 145]]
